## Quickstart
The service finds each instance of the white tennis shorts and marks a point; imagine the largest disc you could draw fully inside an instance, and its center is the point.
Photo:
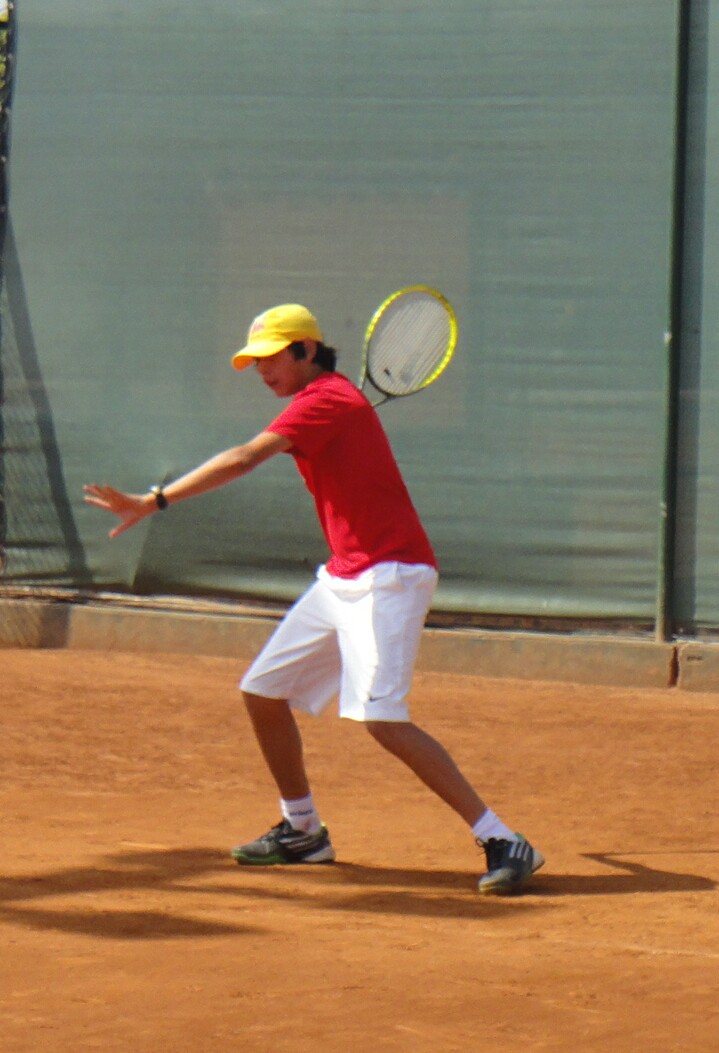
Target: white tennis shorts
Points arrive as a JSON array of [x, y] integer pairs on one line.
[[356, 638]]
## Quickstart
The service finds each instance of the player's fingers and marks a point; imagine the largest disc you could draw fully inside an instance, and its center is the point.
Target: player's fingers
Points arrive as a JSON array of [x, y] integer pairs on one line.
[[97, 501], [122, 527], [103, 490], [98, 495]]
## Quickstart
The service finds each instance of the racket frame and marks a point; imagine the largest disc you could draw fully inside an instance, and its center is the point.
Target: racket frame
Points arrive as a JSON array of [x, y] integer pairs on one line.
[[374, 321]]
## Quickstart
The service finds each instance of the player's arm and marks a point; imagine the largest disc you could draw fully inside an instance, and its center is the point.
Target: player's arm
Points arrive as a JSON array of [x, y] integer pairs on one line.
[[217, 471]]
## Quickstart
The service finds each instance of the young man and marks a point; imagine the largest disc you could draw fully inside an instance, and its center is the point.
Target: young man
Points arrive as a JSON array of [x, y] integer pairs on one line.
[[356, 631]]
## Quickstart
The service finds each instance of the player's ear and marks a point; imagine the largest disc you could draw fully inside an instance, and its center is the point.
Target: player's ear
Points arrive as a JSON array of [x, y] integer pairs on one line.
[[298, 349], [310, 349]]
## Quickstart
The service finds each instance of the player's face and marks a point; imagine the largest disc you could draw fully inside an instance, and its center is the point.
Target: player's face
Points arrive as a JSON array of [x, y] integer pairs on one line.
[[284, 374]]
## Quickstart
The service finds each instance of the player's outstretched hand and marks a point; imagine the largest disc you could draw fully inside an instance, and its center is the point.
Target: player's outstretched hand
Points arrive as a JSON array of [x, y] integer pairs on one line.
[[130, 508]]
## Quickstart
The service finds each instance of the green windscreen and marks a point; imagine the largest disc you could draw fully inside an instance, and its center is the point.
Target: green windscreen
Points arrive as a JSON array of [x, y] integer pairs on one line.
[[177, 168]]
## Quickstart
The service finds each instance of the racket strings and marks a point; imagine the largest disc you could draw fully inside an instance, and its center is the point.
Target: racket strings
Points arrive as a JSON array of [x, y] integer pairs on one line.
[[411, 341]]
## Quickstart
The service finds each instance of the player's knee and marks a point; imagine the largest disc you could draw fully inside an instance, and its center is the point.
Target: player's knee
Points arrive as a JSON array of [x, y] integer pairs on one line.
[[385, 731], [260, 707]]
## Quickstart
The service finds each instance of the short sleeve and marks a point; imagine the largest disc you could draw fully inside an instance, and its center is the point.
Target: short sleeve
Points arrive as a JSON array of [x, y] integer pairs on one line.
[[315, 415]]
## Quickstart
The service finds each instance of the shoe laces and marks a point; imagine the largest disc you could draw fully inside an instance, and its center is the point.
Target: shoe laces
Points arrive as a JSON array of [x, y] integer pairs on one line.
[[283, 827], [494, 850]]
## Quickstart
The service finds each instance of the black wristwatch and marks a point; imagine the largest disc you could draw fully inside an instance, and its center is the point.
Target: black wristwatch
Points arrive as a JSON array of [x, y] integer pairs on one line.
[[160, 498]]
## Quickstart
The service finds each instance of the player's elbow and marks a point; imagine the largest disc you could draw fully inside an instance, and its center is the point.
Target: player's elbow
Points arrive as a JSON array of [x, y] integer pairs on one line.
[[242, 459], [239, 461]]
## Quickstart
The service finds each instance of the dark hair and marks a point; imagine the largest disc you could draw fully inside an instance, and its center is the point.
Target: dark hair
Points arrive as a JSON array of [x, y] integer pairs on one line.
[[326, 357]]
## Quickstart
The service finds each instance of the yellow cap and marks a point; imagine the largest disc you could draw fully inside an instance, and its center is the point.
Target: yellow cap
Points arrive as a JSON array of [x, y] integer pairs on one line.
[[274, 329]]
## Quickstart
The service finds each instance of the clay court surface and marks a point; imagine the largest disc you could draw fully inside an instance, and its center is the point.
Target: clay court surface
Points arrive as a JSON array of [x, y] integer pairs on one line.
[[126, 927]]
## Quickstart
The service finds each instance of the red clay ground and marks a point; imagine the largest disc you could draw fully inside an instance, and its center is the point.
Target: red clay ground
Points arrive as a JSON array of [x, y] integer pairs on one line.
[[126, 927]]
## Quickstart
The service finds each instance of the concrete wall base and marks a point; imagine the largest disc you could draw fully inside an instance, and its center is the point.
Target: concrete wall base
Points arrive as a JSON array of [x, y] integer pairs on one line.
[[224, 631]]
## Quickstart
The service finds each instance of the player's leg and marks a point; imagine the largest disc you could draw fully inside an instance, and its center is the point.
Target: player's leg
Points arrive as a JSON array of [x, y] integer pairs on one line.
[[431, 763], [511, 860], [298, 668], [379, 642], [280, 741]]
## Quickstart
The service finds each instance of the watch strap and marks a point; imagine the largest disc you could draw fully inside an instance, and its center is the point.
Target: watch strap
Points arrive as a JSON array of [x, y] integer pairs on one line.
[[160, 498]]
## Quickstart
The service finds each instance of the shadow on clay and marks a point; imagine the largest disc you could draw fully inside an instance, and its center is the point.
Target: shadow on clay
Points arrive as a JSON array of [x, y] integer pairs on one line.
[[342, 886]]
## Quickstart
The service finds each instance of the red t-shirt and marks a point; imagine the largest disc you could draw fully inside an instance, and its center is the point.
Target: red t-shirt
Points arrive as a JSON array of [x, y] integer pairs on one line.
[[345, 459]]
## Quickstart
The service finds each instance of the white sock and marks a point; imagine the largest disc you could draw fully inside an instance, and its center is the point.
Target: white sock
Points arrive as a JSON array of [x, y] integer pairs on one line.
[[302, 814], [488, 825]]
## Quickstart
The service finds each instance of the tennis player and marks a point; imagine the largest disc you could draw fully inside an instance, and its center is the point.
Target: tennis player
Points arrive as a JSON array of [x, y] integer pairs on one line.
[[356, 631]]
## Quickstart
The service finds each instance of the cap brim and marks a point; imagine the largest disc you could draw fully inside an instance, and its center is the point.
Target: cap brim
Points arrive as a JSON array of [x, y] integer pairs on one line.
[[259, 349]]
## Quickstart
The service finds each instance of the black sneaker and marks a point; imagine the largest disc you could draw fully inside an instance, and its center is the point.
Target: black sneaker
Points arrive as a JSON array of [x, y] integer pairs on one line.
[[284, 844], [510, 865]]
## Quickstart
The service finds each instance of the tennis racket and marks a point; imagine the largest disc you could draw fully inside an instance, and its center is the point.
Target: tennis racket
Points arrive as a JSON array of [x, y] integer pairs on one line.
[[409, 342]]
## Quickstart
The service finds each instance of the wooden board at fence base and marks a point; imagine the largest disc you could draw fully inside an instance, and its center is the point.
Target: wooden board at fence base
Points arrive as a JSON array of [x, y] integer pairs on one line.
[[125, 926]]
